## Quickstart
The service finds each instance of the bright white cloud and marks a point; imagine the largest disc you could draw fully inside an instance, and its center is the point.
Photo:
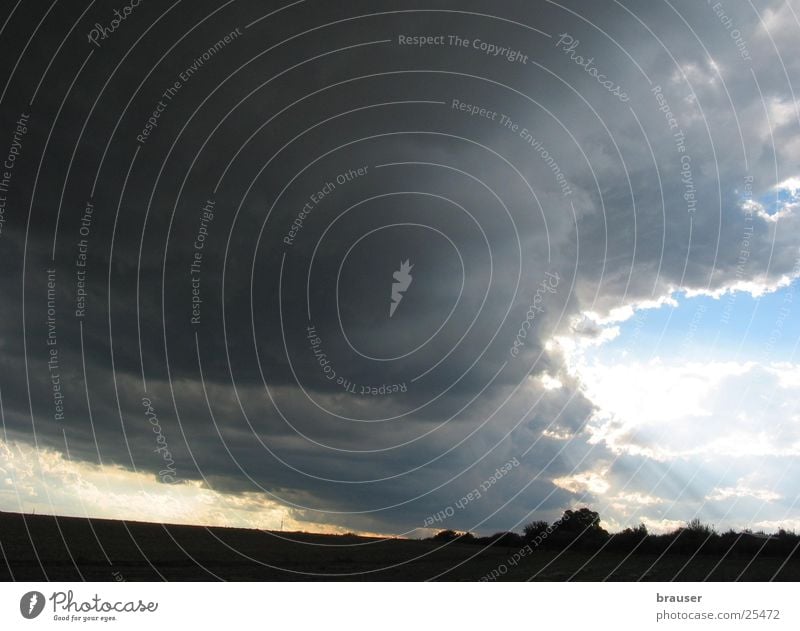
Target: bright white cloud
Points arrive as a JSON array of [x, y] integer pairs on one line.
[[740, 490], [668, 410], [549, 382], [661, 526], [585, 482]]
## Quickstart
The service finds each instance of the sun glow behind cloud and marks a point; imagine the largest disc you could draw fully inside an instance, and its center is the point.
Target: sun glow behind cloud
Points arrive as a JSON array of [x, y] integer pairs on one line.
[[46, 482], [667, 405], [718, 421]]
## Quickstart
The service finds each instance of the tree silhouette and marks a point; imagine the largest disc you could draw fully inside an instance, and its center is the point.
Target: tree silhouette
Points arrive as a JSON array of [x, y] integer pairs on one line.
[[535, 529], [583, 520]]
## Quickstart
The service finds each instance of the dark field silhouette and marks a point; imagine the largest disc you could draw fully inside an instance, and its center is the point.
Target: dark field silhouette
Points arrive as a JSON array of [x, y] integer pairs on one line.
[[67, 548]]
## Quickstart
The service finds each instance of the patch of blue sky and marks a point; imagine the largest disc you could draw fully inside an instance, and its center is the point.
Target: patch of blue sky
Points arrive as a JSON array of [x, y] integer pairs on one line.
[[775, 201], [734, 327]]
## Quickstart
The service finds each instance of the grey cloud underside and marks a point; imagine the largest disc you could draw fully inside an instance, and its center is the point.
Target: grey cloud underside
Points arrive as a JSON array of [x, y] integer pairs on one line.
[[615, 239]]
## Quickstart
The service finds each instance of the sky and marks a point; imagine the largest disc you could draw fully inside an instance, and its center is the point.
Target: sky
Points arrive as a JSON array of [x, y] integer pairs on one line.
[[390, 270]]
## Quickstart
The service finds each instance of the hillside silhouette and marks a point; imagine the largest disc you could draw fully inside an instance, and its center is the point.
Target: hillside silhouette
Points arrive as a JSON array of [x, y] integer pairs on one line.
[[34, 548]]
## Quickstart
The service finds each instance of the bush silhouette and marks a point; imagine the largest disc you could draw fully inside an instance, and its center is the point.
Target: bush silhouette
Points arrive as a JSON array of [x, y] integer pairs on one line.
[[694, 537], [581, 530], [697, 527], [536, 529], [629, 539]]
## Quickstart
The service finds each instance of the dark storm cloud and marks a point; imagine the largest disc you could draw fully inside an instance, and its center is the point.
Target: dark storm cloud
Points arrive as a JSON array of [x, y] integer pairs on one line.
[[604, 228]]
